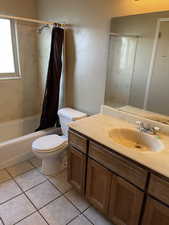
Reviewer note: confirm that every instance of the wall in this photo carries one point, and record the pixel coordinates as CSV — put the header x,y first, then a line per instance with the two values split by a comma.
x,y
132,7
87,42
19,97
86,48
19,8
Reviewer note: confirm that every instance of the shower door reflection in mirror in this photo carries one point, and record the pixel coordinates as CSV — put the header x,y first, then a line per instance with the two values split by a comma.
x,y
120,67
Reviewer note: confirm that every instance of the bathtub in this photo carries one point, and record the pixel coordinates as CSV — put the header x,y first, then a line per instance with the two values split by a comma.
x,y
16,139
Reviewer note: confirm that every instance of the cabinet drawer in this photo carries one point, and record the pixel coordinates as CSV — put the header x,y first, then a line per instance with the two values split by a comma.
x,y
78,141
159,188
130,171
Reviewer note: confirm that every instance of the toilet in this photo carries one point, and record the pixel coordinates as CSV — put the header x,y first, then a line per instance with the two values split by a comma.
x,y
51,149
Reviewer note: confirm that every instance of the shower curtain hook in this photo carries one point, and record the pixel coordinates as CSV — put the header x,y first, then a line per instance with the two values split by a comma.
x,y
56,25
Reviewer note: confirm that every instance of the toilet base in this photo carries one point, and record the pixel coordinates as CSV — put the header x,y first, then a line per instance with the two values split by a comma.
x,y
51,166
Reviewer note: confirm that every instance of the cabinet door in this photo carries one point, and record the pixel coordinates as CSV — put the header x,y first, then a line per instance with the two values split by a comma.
x,y
98,186
155,213
76,169
125,202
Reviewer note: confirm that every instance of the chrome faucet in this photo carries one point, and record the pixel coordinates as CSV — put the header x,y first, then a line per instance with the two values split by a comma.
x,y
147,129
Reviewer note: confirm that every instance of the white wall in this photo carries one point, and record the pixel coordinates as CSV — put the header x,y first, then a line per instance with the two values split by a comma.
x,y
19,8
87,42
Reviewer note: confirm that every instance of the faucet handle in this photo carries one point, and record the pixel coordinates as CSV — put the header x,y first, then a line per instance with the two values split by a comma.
x,y
156,129
138,122
140,125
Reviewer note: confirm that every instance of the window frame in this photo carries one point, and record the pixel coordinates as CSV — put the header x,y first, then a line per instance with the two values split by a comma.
x,y
16,57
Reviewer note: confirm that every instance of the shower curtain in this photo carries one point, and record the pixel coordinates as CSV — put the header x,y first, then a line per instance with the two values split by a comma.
x,y
49,116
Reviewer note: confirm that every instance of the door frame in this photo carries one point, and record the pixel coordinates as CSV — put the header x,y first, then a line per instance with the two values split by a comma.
x,y
153,57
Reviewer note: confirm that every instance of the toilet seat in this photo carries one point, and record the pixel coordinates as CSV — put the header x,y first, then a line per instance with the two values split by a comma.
x,y
49,143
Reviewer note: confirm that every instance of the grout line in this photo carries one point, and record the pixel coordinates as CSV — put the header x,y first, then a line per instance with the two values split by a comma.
x,y
81,214
33,164
8,173
57,187
33,186
43,217
74,218
1,220
21,172
73,204
13,177
87,217
50,202
11,198
35,208
24,217
62,194
23,193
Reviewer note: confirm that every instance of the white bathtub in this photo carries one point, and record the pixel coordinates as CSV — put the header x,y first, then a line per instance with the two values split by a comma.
x,y
16,139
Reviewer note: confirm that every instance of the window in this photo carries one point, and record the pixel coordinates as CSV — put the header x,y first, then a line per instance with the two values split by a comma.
x,y
9,67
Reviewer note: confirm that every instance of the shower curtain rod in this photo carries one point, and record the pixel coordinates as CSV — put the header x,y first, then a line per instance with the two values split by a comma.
x,y
30,20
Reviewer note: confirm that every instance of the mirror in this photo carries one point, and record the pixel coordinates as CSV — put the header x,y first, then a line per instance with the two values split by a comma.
x,y
138,65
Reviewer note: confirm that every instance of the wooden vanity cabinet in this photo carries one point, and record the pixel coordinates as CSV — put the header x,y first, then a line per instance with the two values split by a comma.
x,y
118,164
77,161
155,213
112,195
76,169
125,202
124,191
98,186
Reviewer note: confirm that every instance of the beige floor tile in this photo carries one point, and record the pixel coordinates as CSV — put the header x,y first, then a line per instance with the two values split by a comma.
x,y
4,176
20,168
59,212
30,179
77,200
80,220
60,181
42,194
34,219
36,162
8,190
95,217
16,209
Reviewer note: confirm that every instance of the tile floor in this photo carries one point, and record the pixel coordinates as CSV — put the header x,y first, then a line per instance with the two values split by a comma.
x,y
29,198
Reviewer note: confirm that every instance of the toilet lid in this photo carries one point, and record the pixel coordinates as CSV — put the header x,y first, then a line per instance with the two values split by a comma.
x,y
49,143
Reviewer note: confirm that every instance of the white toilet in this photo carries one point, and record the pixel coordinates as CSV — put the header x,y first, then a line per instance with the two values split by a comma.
x,y
52,148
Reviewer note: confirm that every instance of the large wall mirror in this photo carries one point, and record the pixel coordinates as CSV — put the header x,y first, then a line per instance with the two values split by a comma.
x,y
138,65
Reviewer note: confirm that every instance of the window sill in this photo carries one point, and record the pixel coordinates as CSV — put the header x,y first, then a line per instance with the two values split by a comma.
x,y
11,78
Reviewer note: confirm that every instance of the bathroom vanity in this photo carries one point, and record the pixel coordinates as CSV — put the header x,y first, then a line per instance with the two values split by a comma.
x,y
128,186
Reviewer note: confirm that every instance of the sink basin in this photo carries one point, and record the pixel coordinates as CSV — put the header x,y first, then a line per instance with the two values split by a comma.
x,y
134,139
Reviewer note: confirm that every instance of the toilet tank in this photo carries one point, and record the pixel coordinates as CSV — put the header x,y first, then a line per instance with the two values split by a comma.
x,y
68,115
